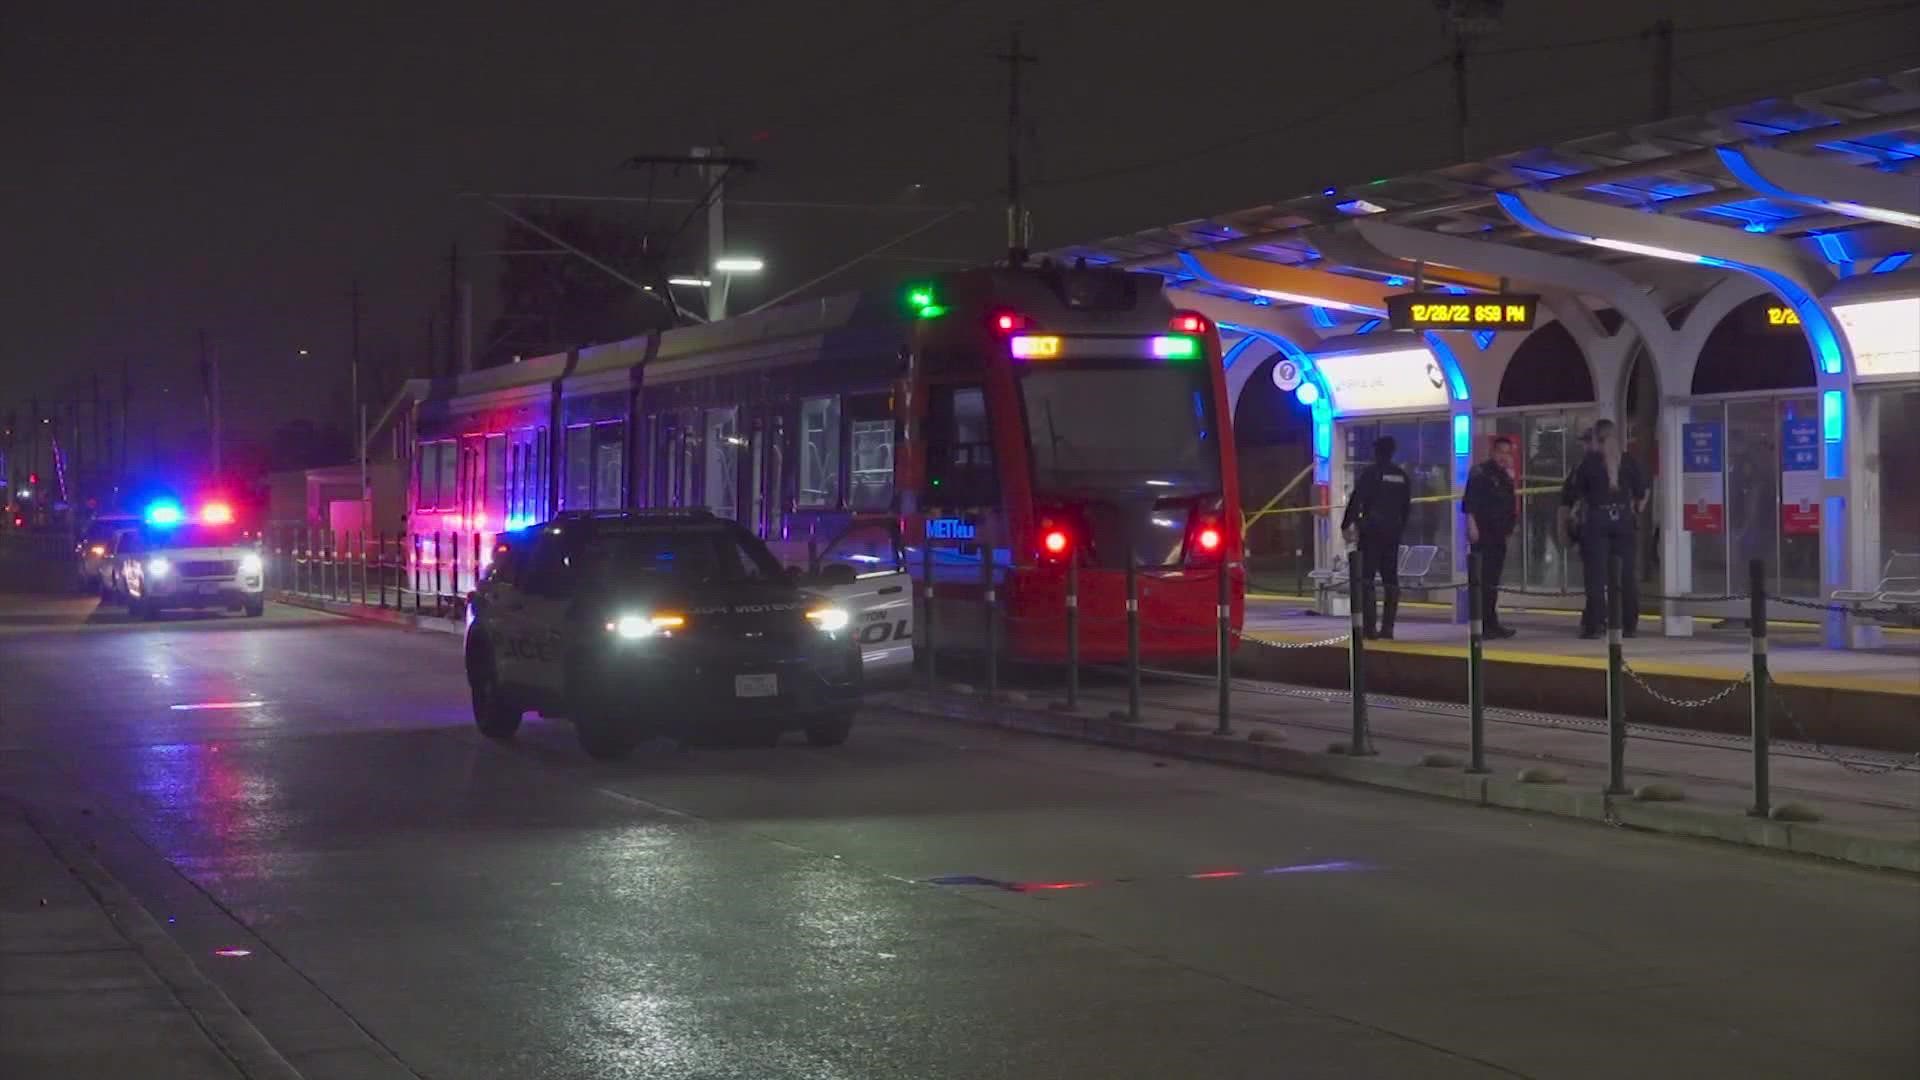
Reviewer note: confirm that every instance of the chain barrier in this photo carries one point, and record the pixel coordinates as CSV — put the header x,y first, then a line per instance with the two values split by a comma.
x,y
1779,701
1686,703
1323,642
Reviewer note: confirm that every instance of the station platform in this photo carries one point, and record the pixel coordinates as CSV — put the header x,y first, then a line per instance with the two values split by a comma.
x,y
1863,698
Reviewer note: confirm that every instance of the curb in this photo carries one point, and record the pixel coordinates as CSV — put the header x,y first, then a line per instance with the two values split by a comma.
x,y
214,1012
433,624
1822,841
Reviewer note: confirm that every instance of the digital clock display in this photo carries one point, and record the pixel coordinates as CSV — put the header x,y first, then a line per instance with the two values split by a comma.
x,y
1780,317
1446,311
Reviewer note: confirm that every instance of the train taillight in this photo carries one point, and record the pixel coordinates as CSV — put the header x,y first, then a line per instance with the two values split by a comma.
x,y
1189,322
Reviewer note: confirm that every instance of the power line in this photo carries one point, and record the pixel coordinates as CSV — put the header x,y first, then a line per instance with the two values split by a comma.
x,y
1189,153
1708,28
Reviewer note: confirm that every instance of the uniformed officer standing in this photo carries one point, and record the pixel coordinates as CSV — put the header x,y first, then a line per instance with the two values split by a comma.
x,y
1376,516
1614,491
1491,515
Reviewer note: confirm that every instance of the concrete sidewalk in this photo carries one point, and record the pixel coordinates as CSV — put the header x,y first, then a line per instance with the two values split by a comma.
x,y
1865,811
91,987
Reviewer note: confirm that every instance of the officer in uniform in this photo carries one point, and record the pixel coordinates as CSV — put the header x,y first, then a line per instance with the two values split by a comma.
x,y
1614,492
1488,504
1376,516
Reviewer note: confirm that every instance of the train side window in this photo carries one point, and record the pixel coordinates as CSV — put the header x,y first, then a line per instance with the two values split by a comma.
x,y
960,467
820,451
869,452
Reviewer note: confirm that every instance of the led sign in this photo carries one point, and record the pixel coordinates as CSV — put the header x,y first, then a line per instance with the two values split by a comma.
x,y
950,529
1782,317
1445,311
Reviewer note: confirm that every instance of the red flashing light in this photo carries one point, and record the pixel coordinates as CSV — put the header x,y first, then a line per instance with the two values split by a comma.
x,y
1055,541
1209,539
1188,322
216,514
1008,322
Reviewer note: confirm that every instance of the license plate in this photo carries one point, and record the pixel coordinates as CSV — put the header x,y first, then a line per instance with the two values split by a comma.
x,y
756,686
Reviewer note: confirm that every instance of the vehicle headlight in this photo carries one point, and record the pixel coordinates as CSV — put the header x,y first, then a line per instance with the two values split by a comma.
x,y
830,618
633,627
158,567
250,564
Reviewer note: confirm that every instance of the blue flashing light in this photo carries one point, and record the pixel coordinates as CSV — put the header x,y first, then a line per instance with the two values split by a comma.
x,y
1462,435
1457,290
515,524
1396,280
164,512
1368,327
1456,379
1756,226
1307,393
1323,430
1483,338
1321,318
1328,192
1893,262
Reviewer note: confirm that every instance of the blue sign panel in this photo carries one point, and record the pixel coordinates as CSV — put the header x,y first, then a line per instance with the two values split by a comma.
x,y
1799,444
1702,441
949,529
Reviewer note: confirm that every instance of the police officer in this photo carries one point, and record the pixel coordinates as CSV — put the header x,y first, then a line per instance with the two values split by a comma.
x,y
1376,516
1491,515
1573,516
1614,492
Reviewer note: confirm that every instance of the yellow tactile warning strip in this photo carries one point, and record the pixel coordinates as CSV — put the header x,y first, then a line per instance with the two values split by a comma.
x,y
1570,613
1820,680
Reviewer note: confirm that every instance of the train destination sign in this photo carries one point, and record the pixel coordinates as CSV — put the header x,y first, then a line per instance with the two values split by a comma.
x,y
1447,311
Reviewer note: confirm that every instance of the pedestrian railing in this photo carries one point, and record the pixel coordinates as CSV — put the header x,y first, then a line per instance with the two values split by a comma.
x,y
428,573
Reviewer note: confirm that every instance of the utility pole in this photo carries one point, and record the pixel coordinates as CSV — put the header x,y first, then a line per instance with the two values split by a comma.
x,y
1662,34
716,178
353,353
1019,224
126,411
453,309
210,385
1467,20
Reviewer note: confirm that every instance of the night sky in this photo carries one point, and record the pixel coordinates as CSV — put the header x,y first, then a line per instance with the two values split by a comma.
x,y
234,166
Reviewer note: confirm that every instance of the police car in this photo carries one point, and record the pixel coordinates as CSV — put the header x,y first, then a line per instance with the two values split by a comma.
x,y
643,623
175,562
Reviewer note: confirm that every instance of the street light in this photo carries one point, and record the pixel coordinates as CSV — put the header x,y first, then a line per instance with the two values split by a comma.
x,y
691,282
739,264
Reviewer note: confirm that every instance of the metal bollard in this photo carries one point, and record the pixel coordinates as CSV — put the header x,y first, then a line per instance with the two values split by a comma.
x,y
380,557
439,589
418,579
1224,672
1476,673
1133,638
926,591
363,568
1358,586
990,609
1073,630
1757,691
1616,705
476,558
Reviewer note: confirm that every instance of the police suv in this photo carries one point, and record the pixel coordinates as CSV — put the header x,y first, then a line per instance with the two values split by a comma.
x,y
165,565
641,623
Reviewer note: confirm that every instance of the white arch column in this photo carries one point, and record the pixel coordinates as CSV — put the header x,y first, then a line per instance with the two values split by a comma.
x,y
1797,280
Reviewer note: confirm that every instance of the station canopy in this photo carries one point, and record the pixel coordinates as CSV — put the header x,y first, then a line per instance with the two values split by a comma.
x,y
1828,179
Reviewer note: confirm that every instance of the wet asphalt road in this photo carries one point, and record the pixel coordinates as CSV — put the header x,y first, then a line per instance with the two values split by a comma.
x,y
418,901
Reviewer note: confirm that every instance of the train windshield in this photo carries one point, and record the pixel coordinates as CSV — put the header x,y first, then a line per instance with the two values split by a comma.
x,y
1102,428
